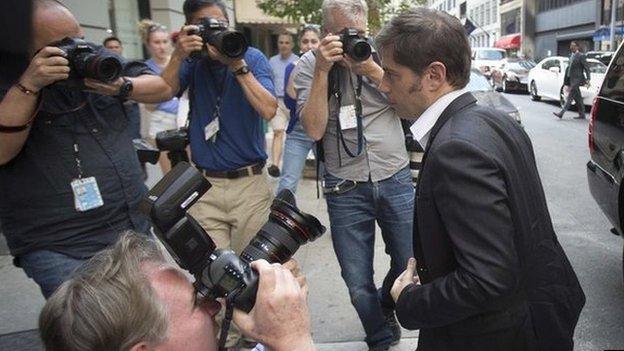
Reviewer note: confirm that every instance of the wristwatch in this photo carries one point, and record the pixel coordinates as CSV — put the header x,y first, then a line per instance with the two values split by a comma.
x,y
243,70
125,89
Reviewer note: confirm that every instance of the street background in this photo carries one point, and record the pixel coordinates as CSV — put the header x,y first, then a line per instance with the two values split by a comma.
x,y
561,151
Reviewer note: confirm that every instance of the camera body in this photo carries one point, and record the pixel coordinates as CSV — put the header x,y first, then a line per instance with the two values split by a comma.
x,y
86,62
355,45
216,33
222,273
174,142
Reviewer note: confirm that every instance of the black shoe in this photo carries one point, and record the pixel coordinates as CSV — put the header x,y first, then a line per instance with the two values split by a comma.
x,y
560,115
274,171
579,117
392,322
379,348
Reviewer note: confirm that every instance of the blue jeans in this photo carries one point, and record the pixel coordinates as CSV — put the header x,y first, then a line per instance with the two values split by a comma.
x,y
296,149
352,217
49,269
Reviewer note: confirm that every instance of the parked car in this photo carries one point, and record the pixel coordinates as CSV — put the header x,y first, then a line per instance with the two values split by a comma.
x,y
512,75
602,56
546,80
605,169
485,59
487,96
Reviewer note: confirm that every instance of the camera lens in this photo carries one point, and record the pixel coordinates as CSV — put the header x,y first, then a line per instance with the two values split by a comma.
x,y
231,44
287,229
360,50
105,68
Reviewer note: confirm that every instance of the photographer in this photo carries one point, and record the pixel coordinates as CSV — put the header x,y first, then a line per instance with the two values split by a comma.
x,y
130,298
70,180
367,179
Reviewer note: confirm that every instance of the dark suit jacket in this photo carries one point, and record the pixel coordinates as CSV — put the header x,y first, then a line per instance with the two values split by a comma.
x,y
578,72
493,274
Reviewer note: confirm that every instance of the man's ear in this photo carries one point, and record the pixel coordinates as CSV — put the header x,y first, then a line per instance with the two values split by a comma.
x,y
142,346
436,74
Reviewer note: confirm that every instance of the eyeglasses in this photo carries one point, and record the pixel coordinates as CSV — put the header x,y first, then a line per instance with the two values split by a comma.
x,y
157,27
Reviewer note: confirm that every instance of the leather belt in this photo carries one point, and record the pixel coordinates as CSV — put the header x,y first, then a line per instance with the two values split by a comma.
x,y
248,171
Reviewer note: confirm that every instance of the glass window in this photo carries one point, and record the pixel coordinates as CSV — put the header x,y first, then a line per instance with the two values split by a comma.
x,y
490,55
488,18
613,86
124,16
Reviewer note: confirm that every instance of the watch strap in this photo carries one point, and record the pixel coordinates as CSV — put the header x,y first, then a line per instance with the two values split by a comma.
x,y
243,70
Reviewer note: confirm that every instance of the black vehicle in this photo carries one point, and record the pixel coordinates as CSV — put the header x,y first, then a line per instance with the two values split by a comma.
x,y
605,169
602,56
485,94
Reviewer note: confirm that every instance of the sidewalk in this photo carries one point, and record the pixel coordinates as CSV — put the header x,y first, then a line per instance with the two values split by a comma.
x,y
335,324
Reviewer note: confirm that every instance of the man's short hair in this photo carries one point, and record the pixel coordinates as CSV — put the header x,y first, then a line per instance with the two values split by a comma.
x,y
192,6
285,33
112,38
108,305
355,10
421,36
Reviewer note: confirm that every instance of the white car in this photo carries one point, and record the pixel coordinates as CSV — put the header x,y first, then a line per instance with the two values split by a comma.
x,y
486,59
546,80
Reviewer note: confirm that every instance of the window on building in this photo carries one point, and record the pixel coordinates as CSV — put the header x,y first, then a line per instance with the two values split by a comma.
x,y
494,11
547,5
510,22
124,16
488,18
606,12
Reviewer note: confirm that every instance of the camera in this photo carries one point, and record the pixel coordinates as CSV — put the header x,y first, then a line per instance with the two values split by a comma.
x,y
355,45
222,273
86,62
145,151
216,33
174,141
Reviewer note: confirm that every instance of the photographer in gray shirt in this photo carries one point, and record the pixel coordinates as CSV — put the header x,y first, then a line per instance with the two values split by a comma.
x,y
367,178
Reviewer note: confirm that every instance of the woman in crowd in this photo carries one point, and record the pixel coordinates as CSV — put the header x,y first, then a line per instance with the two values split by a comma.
x,y
161,116
298,143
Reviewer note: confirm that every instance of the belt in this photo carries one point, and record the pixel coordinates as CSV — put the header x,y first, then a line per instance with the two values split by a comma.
x,y
248,171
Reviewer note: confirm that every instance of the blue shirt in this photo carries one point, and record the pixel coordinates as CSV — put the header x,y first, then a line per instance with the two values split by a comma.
x,y
278,65
240,140
169,106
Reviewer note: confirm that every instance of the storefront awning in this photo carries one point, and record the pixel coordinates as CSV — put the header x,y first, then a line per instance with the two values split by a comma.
x,y
248,12
511,41
604,33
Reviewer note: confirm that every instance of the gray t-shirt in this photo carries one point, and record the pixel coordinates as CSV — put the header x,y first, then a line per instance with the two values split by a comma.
x,y
384,153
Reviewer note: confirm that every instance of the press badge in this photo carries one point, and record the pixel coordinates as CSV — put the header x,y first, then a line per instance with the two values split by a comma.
x,y
348,119
211,130
86,194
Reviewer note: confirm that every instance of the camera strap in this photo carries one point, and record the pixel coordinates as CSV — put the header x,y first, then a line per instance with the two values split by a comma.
x,y
358,114
227,320
221,87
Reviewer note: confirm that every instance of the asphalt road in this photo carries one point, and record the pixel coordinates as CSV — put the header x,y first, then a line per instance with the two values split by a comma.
x,y
596,254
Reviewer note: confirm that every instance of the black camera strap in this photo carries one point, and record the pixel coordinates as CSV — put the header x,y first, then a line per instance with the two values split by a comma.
x,y
227,320
221,86
358,114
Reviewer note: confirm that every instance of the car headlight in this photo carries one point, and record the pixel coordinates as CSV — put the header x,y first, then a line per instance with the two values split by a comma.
x,y
516,116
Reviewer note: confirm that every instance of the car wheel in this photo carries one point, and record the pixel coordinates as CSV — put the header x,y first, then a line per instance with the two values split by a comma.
x,y
562,98
533,91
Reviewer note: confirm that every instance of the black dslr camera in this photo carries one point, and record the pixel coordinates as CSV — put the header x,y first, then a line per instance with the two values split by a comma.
x,y
86,62
216,33
174,141
221,273
355,45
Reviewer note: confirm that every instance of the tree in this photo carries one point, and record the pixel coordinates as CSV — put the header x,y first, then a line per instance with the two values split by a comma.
x,y
309,11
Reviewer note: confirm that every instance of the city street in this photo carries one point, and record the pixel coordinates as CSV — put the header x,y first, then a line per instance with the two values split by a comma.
x,y
562,152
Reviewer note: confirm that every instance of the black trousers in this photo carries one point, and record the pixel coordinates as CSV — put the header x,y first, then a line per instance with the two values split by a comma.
x,y
575,94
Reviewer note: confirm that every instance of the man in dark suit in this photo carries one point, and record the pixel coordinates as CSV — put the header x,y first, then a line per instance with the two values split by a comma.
x,y
577,74
489,272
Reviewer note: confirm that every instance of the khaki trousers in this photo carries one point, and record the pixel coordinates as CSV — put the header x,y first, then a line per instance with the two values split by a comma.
x,y
232,212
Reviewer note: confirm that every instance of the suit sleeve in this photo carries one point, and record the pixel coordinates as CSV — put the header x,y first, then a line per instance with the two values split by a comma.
x,y
470,195
586,70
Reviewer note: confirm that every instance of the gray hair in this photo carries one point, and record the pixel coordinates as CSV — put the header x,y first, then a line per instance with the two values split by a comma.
x,y
108,305
355,10
422,36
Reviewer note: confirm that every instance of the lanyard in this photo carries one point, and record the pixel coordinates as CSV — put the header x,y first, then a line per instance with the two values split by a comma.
x,y
76,147
221,87
358,114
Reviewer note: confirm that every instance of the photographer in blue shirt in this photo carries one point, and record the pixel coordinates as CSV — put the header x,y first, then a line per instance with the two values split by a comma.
x,y
229,98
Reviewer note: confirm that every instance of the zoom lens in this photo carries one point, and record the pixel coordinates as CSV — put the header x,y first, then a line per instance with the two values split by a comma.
x,y
105,68
231,44
359,50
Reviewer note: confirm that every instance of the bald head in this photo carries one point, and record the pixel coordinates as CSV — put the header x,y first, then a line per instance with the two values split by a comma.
x,y
52,21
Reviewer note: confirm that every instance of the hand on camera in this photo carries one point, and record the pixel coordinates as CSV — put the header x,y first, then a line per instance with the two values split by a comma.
x,y
364,68
98,87
280,317
329,52
188,43
408,277
47,67
232,63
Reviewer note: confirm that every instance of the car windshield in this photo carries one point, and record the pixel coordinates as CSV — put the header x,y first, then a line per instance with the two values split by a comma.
x,y
489,55
520,65
478,82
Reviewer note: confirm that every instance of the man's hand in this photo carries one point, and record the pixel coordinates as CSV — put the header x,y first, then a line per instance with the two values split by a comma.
x,y
329,52
47,67
232,63
98,87
368,68
294,268
188,43
280,317
408,277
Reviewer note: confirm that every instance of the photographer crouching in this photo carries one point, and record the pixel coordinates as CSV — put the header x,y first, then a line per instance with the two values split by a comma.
x,y
70,180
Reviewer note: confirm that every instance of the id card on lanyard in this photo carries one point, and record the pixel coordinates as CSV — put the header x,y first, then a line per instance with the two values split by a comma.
x,y
211,130
86,191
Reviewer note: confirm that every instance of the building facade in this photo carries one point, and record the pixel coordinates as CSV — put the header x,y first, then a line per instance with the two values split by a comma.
x,y
602,36
485,16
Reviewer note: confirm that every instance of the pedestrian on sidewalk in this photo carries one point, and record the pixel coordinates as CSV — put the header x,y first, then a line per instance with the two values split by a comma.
x,y
279,123
577,74
298,143
489,272
367,179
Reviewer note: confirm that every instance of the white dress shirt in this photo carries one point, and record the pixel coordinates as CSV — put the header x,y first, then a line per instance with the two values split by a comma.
x,y
421,129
